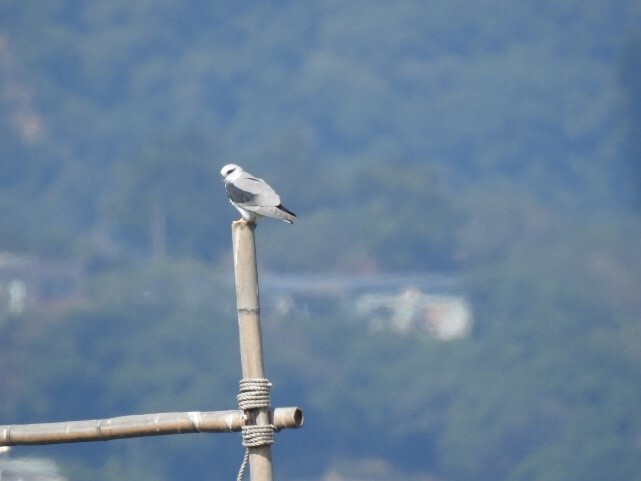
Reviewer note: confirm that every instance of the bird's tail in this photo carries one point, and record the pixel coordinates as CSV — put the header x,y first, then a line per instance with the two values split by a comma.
x,y
281,212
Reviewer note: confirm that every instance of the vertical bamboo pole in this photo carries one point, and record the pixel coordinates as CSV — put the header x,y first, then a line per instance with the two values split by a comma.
x,y
251,350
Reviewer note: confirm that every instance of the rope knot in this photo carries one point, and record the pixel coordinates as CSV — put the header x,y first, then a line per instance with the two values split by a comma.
x,y
254,394
254,436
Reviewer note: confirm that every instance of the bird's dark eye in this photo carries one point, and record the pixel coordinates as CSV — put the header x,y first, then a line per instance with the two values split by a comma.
x,y
230,171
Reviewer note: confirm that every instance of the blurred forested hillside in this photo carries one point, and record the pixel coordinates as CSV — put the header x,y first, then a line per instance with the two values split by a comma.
x,y
496,140
107,106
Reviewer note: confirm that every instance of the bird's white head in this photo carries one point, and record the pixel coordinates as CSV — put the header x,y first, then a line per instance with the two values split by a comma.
x,y
230,172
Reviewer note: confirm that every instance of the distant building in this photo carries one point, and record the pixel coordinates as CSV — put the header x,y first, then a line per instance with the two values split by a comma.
x,y
29,469
398,303
446,317
30,283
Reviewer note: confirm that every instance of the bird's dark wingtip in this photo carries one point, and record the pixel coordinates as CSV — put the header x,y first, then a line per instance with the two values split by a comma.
x,y
285,209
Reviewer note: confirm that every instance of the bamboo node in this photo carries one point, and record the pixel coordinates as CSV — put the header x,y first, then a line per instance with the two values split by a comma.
x,y
196,420
255,310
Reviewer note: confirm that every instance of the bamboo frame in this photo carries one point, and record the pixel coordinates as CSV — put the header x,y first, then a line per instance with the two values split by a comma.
x,y
157,424
251,356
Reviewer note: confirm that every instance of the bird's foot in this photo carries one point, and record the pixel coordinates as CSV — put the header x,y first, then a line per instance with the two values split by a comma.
x,y
245,221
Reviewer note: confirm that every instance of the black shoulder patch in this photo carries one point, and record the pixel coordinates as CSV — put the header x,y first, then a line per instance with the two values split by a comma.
x,y
239,196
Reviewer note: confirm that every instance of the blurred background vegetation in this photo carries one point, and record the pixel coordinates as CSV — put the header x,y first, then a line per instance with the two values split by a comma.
x,y
497,142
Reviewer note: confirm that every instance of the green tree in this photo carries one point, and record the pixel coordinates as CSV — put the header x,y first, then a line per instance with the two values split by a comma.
x,y
162,201
631,79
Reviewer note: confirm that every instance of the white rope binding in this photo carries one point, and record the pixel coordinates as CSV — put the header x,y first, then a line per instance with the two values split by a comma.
x,y
254,394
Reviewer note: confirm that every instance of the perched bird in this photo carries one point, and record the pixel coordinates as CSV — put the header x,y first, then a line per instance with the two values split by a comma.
x,y
252,196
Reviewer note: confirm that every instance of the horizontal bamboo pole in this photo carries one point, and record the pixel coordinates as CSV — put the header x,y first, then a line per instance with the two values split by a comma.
x,y
139,425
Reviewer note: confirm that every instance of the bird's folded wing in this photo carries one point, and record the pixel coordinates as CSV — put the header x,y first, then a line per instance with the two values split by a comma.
x,y
252,191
